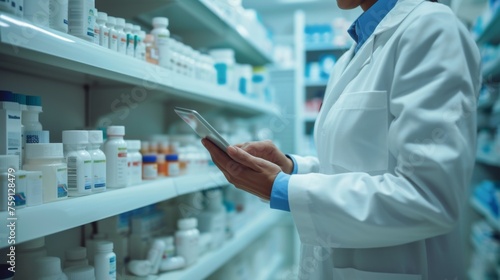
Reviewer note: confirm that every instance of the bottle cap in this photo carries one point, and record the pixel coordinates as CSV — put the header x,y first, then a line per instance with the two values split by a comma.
x,y
188,223
136,28
76,253
75,137
45,151
32,244
160,21
32,100
102,16
172,157
120,22
111,21
223,55
149,159
7,96
169,240
134,145
21,98
95,136
142,34
129,26
117,130
104,246
47,266
9,161
85,272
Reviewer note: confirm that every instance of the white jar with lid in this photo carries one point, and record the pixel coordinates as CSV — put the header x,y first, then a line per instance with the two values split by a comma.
x,y
82,17
115,150
85,272
98,160
187,240
162,35
105,261
26,252
49,159
134,159
130,39
48,268
79,162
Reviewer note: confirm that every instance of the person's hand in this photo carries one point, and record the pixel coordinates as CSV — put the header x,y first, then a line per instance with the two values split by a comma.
x,y
268,151
249,173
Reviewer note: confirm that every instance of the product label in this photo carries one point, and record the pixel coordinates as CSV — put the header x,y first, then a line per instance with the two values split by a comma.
x,y
72,163
20,199
62,182
34,190
105,38
99,172
150,171
112,268
173,169
87,168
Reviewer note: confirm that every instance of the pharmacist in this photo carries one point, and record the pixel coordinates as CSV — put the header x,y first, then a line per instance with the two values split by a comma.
x,y
395,140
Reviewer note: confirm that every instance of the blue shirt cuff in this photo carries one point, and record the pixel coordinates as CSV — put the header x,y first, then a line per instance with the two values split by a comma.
x,y
295,167
279,193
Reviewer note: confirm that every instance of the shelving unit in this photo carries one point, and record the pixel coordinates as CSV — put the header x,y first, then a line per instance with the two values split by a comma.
x,y
85,79
211,261
202,24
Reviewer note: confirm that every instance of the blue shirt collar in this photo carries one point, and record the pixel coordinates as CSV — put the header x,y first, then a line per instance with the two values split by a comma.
x,y
366,23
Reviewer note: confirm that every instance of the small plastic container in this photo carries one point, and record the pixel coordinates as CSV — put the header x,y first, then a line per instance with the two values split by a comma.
x,y
85,272
115,150
224,64
134,159
79,162
187,240
58,15
130,39
122,36
152,54
82,19
162,35
49,159
48,268
76,256
102,29
149,167
173,167
37,12
105,261
26,252
98,160
113,34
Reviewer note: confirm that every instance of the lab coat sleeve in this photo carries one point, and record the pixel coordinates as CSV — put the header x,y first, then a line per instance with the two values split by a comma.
x,y
304,165
431,137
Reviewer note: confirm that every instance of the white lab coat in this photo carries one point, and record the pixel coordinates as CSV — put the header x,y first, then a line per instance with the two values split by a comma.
x,y
395,140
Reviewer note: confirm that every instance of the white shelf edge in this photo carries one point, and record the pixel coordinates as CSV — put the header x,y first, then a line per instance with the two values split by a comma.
x,y
61,215
486,213
211,261
324,47
67,52
320,83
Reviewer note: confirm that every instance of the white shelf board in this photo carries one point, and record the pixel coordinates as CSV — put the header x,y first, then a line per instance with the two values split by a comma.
x,y
495,223
213,260
64,52
200,23
49,218
324,48
320,83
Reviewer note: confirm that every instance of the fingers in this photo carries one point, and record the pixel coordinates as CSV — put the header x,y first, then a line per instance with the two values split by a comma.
x,y
246,159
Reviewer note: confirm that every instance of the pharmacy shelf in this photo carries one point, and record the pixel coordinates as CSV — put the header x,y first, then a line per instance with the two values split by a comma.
x,y
495,223
491,34
324,48
270,272
491,70
49,53
320,83
76,211
212,261
487,160
201,23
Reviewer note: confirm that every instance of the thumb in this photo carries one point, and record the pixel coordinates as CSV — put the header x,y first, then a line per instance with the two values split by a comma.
x,y
241,156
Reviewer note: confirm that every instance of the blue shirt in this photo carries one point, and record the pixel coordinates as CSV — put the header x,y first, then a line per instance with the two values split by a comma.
x,y
360,31
366,23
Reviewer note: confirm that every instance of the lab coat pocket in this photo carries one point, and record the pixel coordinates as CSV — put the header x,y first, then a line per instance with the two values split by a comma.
x,y
351,273
357,125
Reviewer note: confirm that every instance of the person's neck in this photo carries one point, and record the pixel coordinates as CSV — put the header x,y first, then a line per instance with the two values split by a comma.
x,y
367,4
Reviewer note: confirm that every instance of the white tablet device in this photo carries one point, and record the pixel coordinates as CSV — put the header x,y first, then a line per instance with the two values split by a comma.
x,y
202,127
